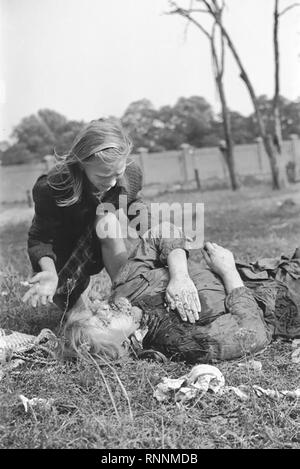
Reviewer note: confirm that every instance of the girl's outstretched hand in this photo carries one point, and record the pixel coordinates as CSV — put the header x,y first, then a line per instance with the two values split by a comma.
x,y
181,294
42,288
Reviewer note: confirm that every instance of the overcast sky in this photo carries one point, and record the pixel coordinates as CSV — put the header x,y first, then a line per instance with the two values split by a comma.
x,y
91,58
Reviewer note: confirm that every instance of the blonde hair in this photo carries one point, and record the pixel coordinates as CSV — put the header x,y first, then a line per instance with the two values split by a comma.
x,y
84,333
104,138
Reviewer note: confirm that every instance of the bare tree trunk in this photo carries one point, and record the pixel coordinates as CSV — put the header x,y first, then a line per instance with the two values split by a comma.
x,y
229,154
218,64
269,147
267,139
272,143
281,157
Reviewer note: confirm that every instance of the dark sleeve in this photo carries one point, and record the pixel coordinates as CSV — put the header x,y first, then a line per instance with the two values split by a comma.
x,y
166,238
157,243
137,209
134,181
242,328
166,245
45,223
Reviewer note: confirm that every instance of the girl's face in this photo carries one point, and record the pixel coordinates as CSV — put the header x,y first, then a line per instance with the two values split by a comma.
x,y
103,178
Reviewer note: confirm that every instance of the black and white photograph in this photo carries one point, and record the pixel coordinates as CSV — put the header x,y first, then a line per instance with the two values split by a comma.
x,y
149,227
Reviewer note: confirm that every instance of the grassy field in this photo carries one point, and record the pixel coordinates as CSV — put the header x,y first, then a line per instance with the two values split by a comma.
x,y
102,407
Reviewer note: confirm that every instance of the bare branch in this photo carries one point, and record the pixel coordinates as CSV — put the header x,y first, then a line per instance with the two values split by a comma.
x,y
197,10
213,51
188,22
222,52
216,5
213,31
222,40
190,10
185,14
218,64
285,10
218,67
276,53
217,10
208,6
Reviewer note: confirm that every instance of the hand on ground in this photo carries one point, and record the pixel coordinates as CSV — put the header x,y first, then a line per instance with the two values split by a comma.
x,y
42,288
181,294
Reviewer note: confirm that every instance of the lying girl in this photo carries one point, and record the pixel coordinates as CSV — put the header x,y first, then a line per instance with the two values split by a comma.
x,y
243,307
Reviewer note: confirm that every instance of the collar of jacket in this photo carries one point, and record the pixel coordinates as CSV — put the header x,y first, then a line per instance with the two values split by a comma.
x,y
123,183
120,188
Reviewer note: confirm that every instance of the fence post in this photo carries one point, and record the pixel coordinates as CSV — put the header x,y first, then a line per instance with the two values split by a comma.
x,y
195,169
197,178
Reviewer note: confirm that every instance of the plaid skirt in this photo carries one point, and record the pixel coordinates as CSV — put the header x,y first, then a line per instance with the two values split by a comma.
x,y
74,276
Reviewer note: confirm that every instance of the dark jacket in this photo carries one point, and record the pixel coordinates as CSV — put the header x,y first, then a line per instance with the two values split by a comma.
x,y
55,230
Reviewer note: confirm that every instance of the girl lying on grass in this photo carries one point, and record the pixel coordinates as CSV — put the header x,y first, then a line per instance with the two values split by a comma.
x,y
243,306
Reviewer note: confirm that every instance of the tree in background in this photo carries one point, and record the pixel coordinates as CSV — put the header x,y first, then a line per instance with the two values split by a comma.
x,y
167,136
64,131
188,121
191,120
277,126
218,61
39,135
215,9
290,117
140,121
67,135
34,134
16,154
241,128
53,120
